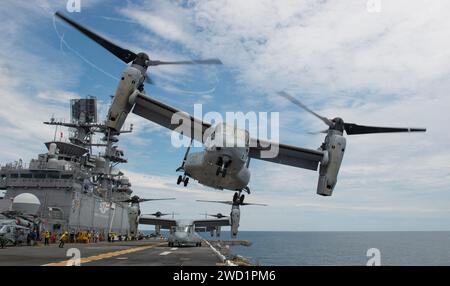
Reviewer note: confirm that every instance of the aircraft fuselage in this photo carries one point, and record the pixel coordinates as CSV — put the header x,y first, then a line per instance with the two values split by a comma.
x,y
205,167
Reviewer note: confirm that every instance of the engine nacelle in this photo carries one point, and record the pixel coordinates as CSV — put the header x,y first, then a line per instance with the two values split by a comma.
x,y
329,168
123,99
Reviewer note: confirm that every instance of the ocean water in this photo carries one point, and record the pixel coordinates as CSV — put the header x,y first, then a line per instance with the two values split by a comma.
x,y
344,248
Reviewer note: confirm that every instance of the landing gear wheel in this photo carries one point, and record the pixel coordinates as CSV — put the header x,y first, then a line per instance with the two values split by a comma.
x,y
221,170
235,197
186,181
179,180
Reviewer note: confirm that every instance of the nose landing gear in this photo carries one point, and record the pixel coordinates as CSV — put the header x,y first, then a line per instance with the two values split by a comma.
x,y
221,170
222,163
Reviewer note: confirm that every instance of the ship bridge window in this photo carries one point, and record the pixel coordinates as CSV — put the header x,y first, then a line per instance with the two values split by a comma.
x,y
66,176
55,213
26,176
39,176
53,176
14,176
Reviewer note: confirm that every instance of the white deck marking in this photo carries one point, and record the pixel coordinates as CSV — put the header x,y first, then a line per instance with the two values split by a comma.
x,y
165,253
174,248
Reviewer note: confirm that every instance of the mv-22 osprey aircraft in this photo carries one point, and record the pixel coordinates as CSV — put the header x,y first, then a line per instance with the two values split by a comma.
x,y
235,214
223,167
134,212
183,233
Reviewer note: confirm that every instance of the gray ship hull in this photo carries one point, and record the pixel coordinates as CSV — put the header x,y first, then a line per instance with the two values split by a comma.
x,y
63,210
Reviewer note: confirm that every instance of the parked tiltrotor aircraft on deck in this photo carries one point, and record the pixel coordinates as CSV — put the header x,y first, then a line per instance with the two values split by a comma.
x,y
135,210
235,214
185,233
222,167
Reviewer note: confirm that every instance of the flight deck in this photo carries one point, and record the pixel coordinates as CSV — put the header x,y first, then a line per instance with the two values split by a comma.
x,y
124,253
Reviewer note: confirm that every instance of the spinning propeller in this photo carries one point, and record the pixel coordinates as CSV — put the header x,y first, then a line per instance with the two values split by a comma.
x,y
160,214
136,200
128,56
231,203
218,215
350,128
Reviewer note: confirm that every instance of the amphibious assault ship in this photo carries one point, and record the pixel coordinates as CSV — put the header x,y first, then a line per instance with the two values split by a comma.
x,y
76,190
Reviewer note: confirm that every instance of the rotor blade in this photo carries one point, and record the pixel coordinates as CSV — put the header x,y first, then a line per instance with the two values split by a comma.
x,y
219,202
318,132
219,216
125,55
301,105
124,201
355,129
251,204
146,200
157,214
192,62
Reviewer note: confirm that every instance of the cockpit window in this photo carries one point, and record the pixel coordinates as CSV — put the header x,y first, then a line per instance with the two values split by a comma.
x,y
182,229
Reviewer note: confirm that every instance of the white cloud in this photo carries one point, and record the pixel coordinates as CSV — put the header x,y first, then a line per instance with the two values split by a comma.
x,y
325,46
32,89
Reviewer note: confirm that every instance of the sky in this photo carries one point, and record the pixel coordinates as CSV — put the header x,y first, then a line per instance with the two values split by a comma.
x,y
386,66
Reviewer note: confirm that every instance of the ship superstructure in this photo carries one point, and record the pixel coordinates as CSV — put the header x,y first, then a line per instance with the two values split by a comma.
x,y
78,190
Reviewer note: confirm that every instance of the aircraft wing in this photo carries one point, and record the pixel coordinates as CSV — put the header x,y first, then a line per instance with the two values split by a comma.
x,y
210,224
161,114
287,154
164,223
